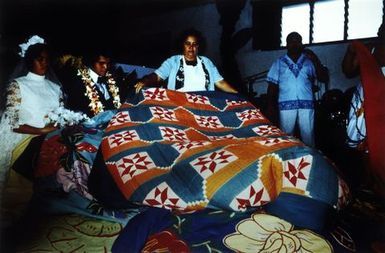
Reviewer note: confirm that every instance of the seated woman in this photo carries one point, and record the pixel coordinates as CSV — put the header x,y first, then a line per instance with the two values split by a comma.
x,y
30,96
189,71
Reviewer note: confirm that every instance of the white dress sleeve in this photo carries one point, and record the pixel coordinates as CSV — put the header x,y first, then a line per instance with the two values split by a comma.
x,y
9,139
13,104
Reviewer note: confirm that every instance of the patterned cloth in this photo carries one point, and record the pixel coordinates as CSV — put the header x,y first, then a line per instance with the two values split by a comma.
x,y
158,230
182,151
356,129
64,164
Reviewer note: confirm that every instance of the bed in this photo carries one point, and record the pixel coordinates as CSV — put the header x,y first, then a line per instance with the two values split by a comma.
x,y
191,172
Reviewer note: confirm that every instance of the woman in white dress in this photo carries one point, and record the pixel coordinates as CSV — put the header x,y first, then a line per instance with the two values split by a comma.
x,y
29,99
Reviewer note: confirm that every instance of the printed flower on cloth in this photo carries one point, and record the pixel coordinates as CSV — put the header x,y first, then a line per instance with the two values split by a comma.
x,y
266,233
165,241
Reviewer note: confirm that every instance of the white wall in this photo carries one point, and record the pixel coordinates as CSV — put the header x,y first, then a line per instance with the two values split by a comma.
x,y
206,19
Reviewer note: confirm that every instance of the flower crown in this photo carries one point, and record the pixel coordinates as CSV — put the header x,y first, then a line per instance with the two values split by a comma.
x,y
31,41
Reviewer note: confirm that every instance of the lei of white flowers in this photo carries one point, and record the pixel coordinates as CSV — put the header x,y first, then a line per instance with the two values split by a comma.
x,y
61,117
95,104
31,41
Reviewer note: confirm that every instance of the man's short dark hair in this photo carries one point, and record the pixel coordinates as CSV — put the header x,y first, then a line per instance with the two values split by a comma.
x,y
292,35
93,56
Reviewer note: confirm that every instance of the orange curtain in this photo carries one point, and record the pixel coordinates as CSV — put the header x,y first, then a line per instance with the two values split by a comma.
x,y
373,82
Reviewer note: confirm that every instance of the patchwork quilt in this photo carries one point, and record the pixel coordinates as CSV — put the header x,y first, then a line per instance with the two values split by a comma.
x,y
205,150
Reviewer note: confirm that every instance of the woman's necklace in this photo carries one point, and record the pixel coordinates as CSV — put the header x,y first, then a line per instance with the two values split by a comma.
x,y
95,105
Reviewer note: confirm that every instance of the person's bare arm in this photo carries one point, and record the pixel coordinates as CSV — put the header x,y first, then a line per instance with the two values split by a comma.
x,y
225,86
350,65
151,79
26,129
321,71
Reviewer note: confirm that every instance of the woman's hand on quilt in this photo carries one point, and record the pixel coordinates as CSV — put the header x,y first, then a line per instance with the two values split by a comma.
x,y
148,80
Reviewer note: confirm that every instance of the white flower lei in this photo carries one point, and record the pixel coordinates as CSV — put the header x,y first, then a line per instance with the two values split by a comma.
x,y
95,104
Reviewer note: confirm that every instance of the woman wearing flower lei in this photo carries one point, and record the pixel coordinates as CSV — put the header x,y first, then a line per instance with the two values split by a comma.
x,y
93,90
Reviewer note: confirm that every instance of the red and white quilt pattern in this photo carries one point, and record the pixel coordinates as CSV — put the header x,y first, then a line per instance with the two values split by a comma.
x,y
267,130
211,163
119,119
182,147
163,196
163,113
133,165
273,141
122,137
233,102
157,94
253,195
173,134
225,137
208,121
197,99
249,115
296,172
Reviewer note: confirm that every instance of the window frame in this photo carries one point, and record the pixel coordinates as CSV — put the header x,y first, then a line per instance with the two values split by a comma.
x,y
286,3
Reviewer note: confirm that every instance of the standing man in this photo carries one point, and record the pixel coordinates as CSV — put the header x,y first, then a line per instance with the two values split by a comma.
x,y
92,89
291,79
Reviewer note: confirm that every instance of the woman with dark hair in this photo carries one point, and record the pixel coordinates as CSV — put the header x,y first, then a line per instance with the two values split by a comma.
x,y
188,71
30,97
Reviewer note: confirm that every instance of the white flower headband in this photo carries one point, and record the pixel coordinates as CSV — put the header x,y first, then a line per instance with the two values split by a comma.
x,y
32,41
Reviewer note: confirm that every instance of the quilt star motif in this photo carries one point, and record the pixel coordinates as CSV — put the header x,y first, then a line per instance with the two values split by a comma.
x,y
249,115
296,172
208,121
197,99
173,134
267,130
253,195
211,163
133,165
184,146
163,196
157,94
272,141
122,137
163,113
119,119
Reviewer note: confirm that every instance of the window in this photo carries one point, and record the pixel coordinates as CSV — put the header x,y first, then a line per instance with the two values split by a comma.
x,y
299,16
326,20
364,24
